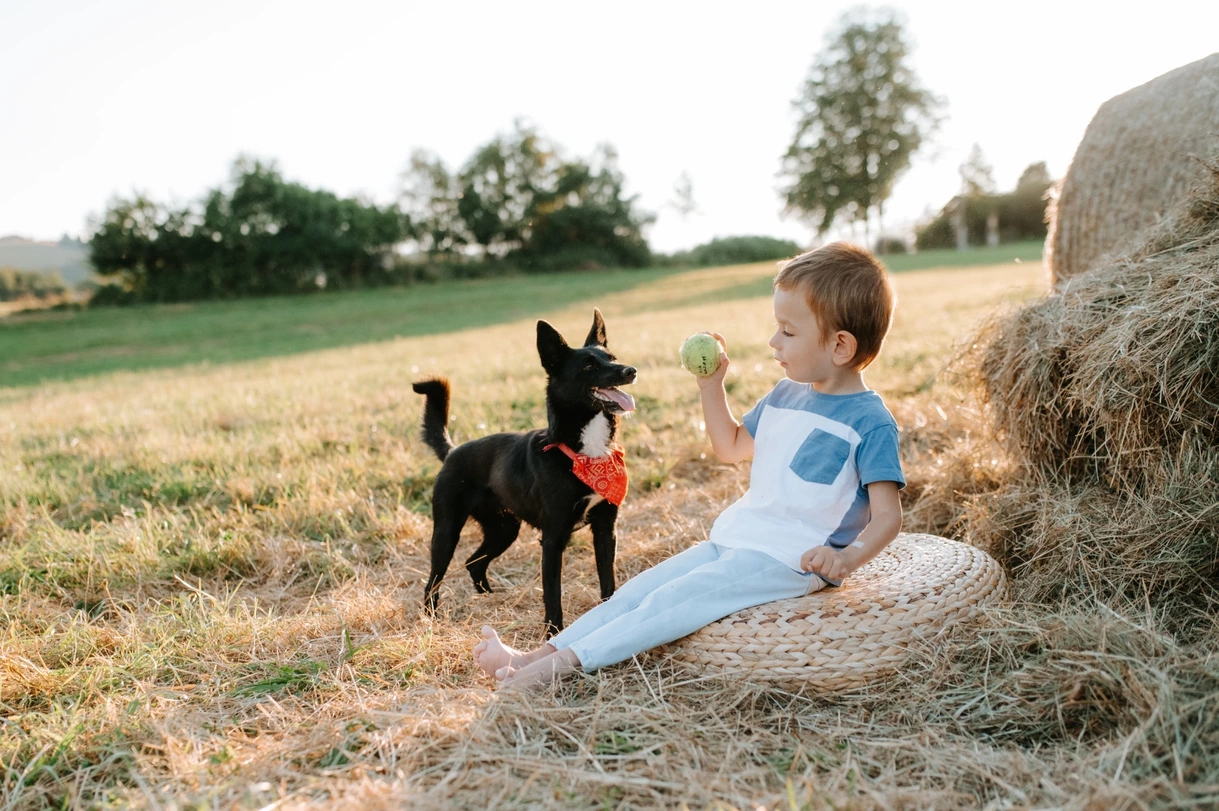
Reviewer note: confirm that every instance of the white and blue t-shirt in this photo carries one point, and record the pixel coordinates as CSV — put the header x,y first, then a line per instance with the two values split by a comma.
x,y
814,456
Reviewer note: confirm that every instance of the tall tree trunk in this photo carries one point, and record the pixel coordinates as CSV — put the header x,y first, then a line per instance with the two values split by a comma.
x,y
880,227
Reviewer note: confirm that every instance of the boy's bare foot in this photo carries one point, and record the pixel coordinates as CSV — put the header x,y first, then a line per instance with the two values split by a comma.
x,y
492,654
545,671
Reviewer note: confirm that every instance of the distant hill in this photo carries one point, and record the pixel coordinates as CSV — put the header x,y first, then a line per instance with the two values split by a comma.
x,y
69,257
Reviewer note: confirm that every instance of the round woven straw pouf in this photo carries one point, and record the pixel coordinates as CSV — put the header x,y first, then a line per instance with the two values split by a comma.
x,y
844,637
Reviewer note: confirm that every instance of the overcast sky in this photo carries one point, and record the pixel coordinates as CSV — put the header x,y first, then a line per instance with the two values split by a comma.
x,y
104,98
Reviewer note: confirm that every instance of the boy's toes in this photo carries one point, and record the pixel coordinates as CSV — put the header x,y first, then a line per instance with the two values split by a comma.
x,y
504,673
489,633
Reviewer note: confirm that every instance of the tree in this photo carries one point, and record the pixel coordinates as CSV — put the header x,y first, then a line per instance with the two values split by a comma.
x,y
257,235
977,176
520,199
1035,177
430,199
18,284
683,194
583,217
862,116
1021,213
124,243
499,186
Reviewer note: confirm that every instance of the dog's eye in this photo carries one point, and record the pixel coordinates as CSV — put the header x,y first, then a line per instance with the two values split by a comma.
x,y
588,367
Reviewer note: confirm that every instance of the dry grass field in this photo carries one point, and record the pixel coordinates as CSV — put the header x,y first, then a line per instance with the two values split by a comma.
x,y
210,581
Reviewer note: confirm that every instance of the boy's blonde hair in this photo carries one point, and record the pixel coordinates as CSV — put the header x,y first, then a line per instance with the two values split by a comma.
x,y
846,288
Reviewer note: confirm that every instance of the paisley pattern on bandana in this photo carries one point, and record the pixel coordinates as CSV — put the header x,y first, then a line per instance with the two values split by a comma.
x,y
606,475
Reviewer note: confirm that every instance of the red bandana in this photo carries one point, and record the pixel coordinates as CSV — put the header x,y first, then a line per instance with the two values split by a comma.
x,y
606,475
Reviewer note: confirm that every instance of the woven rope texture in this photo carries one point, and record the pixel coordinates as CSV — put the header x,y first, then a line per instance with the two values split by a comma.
x,y
845,637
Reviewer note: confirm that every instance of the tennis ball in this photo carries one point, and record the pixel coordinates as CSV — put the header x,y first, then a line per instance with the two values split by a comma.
x,y
700,354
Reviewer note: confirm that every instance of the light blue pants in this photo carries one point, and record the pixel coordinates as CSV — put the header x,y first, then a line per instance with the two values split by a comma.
x,y
678,596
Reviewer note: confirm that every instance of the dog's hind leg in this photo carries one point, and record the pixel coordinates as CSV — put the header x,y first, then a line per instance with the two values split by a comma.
x,y
450,509
445,535
500,529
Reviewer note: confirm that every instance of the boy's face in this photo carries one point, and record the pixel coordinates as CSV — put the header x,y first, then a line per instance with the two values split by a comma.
x,y
797,340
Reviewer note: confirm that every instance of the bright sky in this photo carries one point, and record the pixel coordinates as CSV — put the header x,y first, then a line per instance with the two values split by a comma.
x,y
99,99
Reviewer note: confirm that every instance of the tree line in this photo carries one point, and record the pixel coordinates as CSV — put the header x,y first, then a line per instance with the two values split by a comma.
x,y
258,235
519,199
16,285
520,202
516,202
981,214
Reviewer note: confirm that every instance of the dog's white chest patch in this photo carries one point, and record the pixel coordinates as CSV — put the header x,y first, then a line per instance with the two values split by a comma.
x,y
594,439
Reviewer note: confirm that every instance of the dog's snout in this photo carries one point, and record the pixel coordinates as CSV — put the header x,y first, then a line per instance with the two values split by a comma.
x,y
632,373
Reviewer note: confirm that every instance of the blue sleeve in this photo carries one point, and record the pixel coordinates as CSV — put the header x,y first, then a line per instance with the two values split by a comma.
x,y
750,420
877,457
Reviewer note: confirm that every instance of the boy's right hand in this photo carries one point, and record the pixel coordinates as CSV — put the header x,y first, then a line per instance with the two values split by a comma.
x,y
825,561
716,378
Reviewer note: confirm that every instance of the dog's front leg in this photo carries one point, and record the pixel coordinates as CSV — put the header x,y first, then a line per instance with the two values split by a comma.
x,y
553,544
601,519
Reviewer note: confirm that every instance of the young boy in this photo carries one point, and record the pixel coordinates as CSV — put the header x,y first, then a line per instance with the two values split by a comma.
x,y
823,486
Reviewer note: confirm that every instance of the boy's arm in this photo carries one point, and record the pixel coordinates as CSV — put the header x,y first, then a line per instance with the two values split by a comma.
x,y
730,440
886,506
886,503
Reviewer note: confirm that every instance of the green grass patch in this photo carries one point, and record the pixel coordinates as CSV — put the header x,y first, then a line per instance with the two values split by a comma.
x,y
972,257
276,679
68,345
63,346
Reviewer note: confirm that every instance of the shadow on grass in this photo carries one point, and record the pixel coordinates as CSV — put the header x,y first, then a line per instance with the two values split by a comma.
x,y
63,346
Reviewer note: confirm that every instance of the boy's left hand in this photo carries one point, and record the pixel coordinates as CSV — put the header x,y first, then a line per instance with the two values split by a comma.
x,y
825,561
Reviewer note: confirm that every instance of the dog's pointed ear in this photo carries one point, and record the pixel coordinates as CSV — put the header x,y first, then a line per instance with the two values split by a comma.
x,y
596,335
551,346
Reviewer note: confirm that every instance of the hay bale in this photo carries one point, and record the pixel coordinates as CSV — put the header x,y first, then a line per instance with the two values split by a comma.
x,y
1136,161
1105,396
1119,364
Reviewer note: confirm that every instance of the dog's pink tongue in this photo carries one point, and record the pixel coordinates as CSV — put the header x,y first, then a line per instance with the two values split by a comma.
x,y
624,400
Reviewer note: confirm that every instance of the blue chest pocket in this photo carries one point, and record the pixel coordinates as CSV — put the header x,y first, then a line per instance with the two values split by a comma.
x,y
821,458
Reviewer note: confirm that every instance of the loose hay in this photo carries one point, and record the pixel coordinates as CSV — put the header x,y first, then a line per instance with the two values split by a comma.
x,y
1106,399
1135,162
1119,363
128,681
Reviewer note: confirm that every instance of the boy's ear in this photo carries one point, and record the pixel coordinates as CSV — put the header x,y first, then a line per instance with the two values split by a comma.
x,y
845,347
552,349
596,335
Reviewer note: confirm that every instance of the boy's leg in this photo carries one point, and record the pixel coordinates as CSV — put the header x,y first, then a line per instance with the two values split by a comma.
x,y
636,590
491,654
737,579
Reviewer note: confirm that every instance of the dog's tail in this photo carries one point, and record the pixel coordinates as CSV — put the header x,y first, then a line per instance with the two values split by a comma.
x,y
435,414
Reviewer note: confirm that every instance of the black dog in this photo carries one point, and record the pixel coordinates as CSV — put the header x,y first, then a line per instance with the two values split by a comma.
x,y
504,479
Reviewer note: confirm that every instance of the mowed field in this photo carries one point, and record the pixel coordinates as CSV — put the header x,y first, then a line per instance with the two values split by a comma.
x,y
210,575
46,345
